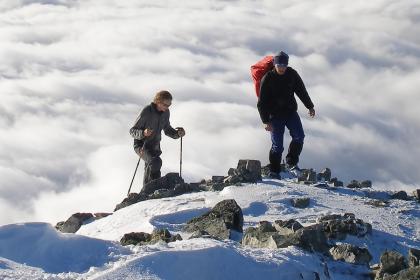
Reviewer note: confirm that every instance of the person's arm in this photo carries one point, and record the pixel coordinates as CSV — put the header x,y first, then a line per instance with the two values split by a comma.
x,y
264,100
137,131
302,93
169,130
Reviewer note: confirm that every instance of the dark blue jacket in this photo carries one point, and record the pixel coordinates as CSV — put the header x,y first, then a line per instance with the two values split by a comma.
x,y
277,97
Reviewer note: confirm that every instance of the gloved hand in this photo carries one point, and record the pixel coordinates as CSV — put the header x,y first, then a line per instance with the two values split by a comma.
x,y
181,131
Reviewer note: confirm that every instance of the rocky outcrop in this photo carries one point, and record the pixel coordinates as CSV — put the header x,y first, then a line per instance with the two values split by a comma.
x,y
338,226
247,171
167,186
391,262
265,235
73,223
301,202
413,257
351,254
220,221
416,194
142,238
412,273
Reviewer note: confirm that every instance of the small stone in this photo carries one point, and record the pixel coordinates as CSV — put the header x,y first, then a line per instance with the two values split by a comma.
x,y
300,202
366,184
351,254
402,195
392,262
354,184
416,194
265,226
413,257
217,179
325,174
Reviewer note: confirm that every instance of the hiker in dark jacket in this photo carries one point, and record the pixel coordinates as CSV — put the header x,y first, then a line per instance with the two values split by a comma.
x,y
278,109
147,134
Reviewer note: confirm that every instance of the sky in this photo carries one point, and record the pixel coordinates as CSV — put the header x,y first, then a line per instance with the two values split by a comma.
x,y
75,74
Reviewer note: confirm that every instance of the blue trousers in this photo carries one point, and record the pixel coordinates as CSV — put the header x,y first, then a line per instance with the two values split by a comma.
x,y
294,125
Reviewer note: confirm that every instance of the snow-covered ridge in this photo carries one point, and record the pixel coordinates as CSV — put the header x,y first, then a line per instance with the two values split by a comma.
x,y
37,251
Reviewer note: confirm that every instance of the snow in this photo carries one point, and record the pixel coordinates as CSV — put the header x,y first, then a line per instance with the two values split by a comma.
x,y
38,251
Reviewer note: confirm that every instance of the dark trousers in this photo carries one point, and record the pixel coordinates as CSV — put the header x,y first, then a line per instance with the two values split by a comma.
x,y
152,164
294,125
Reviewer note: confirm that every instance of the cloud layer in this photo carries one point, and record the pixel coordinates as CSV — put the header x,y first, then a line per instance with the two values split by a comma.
x,y
75,74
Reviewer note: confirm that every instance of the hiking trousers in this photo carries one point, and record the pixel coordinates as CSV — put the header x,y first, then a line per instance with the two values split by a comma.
x,y
152,164
294,125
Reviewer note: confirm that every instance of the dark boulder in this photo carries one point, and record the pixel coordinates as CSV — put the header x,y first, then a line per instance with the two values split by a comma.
x,y
391,262
301,202
132,198
351,254
337,226
169,181
220,221
413,257
402,195
74,223
142,238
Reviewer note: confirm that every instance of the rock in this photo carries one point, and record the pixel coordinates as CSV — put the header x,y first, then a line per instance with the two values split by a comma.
x,y
224,217
338,184
300,202
413,257
169,181
354,184
142,238
402,195
101,215
366,184
217,179
287,227
73,223
256,238
163,235
161,193
134,238
351,254
416,194
391,262
131,199
265,226
337,227
308,175
252,166
412,273
200,234
377,202
325,174
310,238
322,186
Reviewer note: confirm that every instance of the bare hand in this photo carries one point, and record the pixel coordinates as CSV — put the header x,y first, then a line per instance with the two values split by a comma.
x,y
312,112
181,131
268,127
147,132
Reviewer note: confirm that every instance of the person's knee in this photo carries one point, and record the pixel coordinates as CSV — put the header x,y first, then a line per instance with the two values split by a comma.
x,y
155,164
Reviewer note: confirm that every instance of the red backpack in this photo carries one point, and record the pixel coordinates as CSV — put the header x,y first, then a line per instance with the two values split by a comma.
x,y
259,69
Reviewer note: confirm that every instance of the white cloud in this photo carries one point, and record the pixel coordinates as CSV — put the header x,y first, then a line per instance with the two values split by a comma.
x,y
74,75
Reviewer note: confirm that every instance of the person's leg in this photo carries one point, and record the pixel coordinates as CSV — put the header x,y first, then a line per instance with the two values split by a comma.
x,y
276,144
152,165
294,125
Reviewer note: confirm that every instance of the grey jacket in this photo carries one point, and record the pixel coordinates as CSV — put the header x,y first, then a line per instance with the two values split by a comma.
x,y
153,119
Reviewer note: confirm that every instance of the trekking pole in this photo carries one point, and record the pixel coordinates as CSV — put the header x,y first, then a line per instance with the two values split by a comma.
x,y
180,161
135,171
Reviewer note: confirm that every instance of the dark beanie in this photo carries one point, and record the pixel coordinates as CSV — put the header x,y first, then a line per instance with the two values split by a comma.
x,y
281,59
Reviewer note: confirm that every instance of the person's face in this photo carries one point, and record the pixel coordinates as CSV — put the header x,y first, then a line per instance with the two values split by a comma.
x,y
163,105
280,69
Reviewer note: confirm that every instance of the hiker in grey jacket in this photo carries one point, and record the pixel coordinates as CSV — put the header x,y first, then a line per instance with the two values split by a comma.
x,y
147,134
